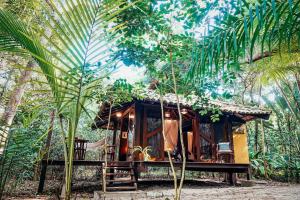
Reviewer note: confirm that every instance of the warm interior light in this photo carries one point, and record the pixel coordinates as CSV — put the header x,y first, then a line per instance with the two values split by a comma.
x,y
184,111
167,114
131,116
119,114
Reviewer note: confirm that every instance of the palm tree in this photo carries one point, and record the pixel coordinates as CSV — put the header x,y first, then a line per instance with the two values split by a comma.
x,y
77,35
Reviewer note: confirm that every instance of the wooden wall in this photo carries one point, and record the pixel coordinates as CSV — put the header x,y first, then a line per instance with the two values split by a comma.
x,y
221,131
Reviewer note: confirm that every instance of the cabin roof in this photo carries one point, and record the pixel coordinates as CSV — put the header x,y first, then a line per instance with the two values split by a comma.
x,y
244,112
224,106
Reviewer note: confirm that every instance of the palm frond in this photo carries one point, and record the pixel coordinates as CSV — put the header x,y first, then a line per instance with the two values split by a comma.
x,y
273,25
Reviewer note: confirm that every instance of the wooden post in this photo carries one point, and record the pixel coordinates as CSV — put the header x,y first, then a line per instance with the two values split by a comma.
x,y
230,178
136,172
230,138
249,173
138,124
197,136
42,177
115,124
144,140
46,155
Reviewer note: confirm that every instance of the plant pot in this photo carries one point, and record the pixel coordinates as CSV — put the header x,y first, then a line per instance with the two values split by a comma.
x,y
138,156
141,156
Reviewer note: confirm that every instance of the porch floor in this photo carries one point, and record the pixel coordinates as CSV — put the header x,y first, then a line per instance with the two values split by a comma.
x,y
197,166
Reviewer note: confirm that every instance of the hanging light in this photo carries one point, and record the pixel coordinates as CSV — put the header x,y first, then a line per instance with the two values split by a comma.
x,y
131,116
184,111
119,114
167,114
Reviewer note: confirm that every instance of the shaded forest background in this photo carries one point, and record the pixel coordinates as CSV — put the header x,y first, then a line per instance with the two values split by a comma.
x,y
222,55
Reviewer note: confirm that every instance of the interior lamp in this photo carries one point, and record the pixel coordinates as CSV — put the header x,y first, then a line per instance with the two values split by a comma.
x,y
167,114
119,114
184,111
131,116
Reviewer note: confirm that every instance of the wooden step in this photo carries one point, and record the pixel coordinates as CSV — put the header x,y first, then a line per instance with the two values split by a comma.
x,y
120,181
119,173
127,179
119,164
120,188
119,167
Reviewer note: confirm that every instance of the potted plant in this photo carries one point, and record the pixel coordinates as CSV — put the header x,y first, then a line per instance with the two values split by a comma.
x,y
141,154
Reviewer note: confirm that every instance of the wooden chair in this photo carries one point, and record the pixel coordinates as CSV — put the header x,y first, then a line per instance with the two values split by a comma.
x,y
224,153
80,149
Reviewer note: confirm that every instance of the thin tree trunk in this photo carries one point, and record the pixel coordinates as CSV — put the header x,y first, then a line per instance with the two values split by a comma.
x,y
6,84
14,102
256,136
47,145
168,152
63,134
297,77
49,136
263,146
292,94
263,137
256,131
287,100
105,152
290,146
180,128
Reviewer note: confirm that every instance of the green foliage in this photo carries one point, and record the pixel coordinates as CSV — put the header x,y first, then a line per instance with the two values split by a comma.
x,y
74,48
79,28
23,147
269,24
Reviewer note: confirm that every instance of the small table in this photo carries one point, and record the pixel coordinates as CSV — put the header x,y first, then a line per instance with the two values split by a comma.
x,y
227,154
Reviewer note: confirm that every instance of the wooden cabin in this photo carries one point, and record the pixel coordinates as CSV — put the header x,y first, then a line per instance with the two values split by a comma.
x,y
219,145
210,145
139,123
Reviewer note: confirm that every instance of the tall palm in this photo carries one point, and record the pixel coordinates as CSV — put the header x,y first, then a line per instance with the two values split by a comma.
x,y
77,35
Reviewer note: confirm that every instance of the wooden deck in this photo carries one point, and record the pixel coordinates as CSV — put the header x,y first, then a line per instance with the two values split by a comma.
x,y
229,168
197,166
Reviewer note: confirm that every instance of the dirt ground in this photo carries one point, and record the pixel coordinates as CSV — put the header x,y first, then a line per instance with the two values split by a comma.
x,y
196,189
236,193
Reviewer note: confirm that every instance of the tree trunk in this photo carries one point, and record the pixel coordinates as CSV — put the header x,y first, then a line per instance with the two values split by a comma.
x,y
297,76
287,101
263,146
180,130
45,152
14,102
168,152
5,86
256,137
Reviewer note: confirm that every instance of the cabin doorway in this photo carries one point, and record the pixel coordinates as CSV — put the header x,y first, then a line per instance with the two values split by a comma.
x,y
152,133
206,141
126,137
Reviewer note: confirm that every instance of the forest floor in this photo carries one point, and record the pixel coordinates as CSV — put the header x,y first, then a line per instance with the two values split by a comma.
x,y
195,189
